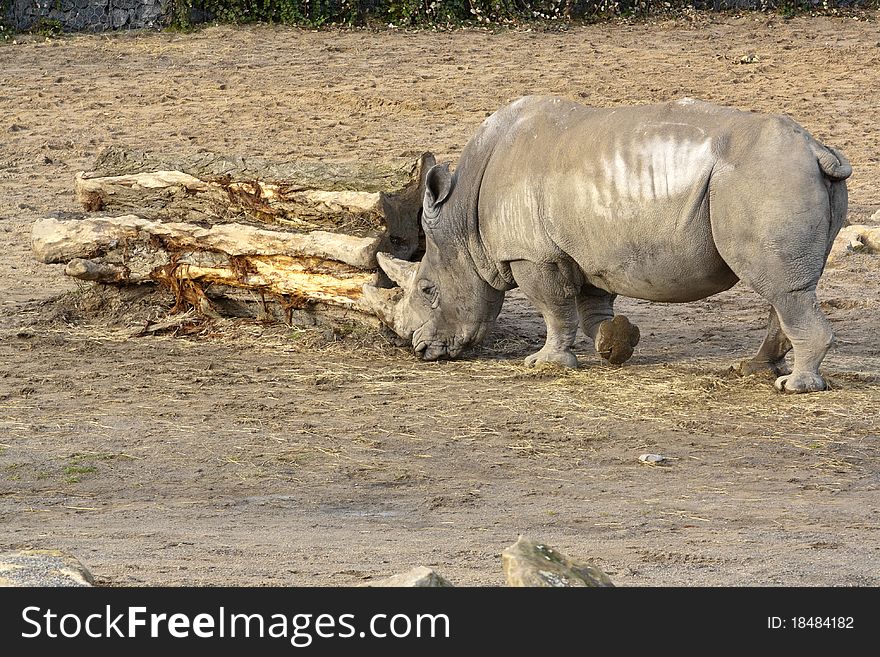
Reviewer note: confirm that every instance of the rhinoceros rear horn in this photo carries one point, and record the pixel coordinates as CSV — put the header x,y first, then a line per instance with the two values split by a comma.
x,y
402,272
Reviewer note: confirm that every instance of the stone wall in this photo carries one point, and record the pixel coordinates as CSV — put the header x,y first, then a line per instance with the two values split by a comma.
x,y
99,15
88,15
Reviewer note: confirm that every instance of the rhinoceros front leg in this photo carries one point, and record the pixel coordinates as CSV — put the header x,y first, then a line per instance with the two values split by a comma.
x,y
615,337
770,359
554,296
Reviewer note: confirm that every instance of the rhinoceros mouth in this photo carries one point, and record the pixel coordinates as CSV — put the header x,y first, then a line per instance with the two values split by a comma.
x,y
436,350
425,347
431,351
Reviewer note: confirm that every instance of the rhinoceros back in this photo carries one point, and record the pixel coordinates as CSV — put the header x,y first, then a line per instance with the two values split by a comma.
x,y
622,193
625,194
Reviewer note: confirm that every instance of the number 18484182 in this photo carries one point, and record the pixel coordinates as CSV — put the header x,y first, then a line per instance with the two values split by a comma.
x,y
811,623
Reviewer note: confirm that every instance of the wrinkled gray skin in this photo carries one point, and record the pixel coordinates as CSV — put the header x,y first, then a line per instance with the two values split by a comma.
x,y
670,203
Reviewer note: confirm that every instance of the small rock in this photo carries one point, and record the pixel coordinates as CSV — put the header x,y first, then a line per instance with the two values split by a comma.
x,y
15,127
751,58
855,243
42,568
857,238
653,458
527,563
417,577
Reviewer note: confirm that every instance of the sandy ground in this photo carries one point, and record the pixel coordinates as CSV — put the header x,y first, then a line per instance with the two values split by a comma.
x,y
258,454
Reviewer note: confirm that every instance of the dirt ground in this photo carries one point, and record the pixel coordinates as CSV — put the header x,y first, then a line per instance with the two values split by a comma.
x,y
257,454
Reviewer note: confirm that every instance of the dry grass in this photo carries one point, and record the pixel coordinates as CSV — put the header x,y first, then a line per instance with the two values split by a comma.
x,y
546,415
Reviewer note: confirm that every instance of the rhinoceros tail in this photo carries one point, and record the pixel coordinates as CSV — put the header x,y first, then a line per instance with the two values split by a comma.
x,y
831,161
837,168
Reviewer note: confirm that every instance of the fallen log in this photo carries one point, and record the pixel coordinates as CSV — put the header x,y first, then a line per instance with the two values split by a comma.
x,y
132,250
303,233
57,240
368,200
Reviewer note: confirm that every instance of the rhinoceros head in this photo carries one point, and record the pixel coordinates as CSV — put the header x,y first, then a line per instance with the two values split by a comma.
x,y
443,305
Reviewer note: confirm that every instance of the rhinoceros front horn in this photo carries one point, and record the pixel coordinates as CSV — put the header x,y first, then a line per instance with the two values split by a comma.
x,y
382,302
402,272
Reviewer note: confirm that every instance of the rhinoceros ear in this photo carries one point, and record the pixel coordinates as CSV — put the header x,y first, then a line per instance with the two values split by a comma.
x,y
438,185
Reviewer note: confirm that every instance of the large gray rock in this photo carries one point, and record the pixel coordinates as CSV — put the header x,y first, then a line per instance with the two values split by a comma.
x,y
417,577
527,563
42,568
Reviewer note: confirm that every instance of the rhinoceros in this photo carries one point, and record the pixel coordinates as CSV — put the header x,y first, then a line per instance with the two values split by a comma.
x,y
575,205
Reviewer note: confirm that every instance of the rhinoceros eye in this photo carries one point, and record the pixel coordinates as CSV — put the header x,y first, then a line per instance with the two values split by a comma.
x,y
429,291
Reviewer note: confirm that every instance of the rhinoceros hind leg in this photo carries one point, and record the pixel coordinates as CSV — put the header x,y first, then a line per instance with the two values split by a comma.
x,y
550,292
616,339
811,336
777,243
769,362
804,329
801,382
762,369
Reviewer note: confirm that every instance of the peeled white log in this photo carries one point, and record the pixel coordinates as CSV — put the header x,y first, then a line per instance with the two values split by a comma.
x,y
326,268
55,240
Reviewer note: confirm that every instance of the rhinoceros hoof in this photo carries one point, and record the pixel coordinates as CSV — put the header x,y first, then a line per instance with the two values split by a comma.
x,y
763,369
554,357
616,339
801,382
